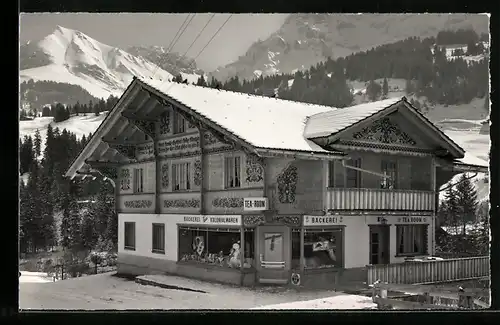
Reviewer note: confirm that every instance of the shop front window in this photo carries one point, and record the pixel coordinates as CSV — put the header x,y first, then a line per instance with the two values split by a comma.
x,y
412,239
218,247
323,248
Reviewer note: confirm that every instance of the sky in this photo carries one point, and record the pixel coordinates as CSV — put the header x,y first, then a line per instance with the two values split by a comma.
x,y
124,30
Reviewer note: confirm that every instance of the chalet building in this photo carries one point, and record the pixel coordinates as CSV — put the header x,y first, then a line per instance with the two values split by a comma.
x,y
245,189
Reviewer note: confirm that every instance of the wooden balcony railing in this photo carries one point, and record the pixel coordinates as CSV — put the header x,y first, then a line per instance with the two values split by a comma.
x,y
379,199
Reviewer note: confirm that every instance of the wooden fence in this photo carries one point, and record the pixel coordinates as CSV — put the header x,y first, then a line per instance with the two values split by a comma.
x,y
430,271
427,298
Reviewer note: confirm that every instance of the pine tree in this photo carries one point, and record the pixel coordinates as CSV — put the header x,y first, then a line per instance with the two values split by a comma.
x,y
466,201
34,207
25,218
90,235
201,81
385,88
95,109
451,207
46,110
37,143
373,90
48,229
178,78
70,232
26,154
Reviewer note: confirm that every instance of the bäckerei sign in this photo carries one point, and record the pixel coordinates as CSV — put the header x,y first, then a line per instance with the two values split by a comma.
x,y
323,220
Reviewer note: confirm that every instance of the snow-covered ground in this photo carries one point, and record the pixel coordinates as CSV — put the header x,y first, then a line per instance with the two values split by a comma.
x,y
34,277
80,125
105,291
458,230
337,302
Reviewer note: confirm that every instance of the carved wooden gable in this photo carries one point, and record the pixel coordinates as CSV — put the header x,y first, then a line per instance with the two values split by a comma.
x,y
384,131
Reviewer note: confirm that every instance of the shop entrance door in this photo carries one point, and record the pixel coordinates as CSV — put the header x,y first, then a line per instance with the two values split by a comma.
x,y
379,244
274,250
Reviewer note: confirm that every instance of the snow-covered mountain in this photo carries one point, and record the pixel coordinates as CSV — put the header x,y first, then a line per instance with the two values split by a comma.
x,y
306,39
72,57
169,61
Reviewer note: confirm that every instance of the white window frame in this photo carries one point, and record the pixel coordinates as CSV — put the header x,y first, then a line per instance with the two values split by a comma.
x,y
231,170
387,182
125,237
160,228
138,180
181,176
406,235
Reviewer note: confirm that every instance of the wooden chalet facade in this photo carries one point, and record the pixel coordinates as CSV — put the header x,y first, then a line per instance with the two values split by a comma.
x,y
245,189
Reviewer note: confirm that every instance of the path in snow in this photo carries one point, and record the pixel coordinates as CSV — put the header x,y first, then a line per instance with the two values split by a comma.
x,y
34,277
105,291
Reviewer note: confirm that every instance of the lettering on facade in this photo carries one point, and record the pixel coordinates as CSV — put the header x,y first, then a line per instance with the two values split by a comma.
x,y
255,204
145,150
412,220
213,220
322,220
185,143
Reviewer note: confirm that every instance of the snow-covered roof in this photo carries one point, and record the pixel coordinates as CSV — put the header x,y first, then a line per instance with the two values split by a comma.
x,y
470,159
263,122
330,122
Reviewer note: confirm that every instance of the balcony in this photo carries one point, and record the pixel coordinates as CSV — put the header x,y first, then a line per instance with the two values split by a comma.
x,y
379,199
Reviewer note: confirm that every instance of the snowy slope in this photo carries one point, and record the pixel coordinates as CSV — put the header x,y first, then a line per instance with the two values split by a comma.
x,y
70,56
80,125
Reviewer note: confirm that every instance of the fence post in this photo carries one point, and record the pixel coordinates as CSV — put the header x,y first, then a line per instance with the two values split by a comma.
x,y
465,300
428,298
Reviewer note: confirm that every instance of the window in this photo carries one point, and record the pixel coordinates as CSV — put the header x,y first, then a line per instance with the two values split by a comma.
x,y
340,176
295,248
353,177
218,247
158,238
138,180
389,168
129,240
181,176
411,239
179,123
323,248
232,172
420,176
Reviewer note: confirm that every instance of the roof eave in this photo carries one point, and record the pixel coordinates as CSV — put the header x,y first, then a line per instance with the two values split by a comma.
x,y
463,167
457,151
96,138
335,135
313,155
167,98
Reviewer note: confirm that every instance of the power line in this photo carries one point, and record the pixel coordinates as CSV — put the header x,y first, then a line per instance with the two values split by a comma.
x,y
201,51
171,42
199,34
174,40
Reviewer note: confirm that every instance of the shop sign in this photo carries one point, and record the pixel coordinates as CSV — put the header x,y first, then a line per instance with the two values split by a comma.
x,y
228,220
255,203
412,220
323,220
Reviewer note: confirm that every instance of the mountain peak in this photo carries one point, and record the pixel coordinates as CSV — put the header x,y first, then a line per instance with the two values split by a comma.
x,y
72,57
